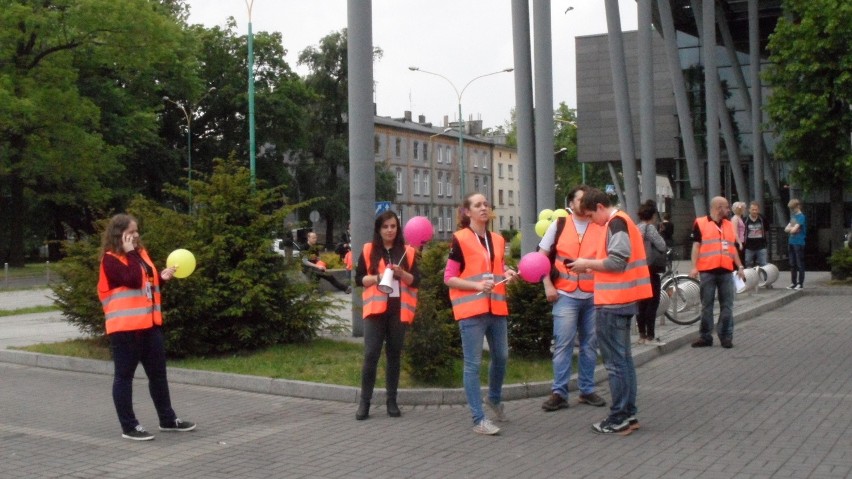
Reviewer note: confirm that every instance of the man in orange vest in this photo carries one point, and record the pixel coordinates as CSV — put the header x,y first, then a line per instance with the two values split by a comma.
x,y
573,303
714,256
621,280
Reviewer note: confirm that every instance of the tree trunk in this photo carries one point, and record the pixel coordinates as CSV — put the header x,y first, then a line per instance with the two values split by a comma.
x,y
835,195
17,208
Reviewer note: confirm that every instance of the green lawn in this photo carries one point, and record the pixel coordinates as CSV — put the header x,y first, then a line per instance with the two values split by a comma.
x,y
323,360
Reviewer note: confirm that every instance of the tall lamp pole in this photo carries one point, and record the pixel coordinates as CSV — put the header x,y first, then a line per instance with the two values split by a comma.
x,y
574,124
249,5
188,116
462,165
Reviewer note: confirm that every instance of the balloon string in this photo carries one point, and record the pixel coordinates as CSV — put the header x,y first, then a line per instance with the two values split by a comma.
x,y
495,284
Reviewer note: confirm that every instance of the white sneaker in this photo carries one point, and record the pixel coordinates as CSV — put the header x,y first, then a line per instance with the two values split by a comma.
x,y
657,342
486,427
792,286
496,410
798,286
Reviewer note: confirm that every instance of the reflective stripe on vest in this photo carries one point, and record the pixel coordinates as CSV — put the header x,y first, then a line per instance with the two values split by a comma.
x,y
631,285
376,302
131,309
712,253
467,303
570,246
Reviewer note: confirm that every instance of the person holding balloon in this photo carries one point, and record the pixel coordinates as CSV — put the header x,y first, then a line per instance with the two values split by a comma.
x,y
129,291
572,296
476,276
387,269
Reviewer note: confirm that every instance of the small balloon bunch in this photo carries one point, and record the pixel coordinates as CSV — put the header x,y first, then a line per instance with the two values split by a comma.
x,y
546,217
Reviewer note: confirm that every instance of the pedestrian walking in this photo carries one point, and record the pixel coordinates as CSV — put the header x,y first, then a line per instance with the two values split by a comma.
x,y
756,235
797,228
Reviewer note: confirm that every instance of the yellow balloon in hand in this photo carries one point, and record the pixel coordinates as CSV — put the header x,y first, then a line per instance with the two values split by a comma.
x,y
183,261
541,227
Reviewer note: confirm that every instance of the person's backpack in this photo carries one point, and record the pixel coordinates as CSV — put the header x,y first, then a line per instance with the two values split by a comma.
x,y
656,259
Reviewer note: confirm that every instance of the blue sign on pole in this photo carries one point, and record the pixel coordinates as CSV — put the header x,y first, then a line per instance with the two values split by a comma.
x,y
382,206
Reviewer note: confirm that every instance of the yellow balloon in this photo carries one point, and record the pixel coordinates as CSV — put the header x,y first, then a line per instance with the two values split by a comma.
x,y
183,261
541,227
546,214
560,213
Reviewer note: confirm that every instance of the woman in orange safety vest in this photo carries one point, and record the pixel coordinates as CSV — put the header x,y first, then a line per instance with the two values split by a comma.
x,y
388,306
476,276
129,291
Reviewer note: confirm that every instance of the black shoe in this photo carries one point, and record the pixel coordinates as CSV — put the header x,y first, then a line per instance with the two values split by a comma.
x,y
393,409
727,343
554,403
592,399
178,426
700,343
610,426
348,290
138,434
363,411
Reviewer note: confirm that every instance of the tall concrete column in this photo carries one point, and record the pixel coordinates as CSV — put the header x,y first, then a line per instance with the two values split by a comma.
x,y
693,166
756,99
545,176
622,107
524,118
646,104
362,191
711,89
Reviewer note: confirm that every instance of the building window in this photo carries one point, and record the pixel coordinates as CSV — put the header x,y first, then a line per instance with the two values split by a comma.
x,y
449,155
425,151
485,186
399,181
500,170
440,183
398,146
511,172
449,185
484,161
377,144
475,183
416,182
511,198
475,159
416,210
416,150
440,223
440,154
426,178
448,220
500,197
501,222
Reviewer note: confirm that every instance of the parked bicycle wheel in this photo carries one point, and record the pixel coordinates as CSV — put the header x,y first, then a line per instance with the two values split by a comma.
x,y
685,299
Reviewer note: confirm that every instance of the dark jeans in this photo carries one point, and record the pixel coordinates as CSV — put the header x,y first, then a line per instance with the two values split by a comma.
x,y
380,329
330,278
647,315
129,348
796,253
613,330
711,283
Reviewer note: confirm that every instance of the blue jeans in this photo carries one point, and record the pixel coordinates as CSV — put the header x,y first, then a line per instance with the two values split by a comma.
x,y
473,330
129,348
796,253
572,316
753,256
710,284
614,340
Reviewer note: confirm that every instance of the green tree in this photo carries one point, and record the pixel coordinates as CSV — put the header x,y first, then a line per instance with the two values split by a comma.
x,y
810,105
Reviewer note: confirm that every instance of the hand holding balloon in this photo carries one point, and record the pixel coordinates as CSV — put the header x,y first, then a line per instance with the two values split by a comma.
x,y
182,262
533,267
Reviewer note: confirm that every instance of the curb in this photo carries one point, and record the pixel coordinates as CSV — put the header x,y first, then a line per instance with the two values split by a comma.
x,y
350,394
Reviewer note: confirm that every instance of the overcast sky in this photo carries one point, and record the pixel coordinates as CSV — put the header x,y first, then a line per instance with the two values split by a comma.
x,y
459,39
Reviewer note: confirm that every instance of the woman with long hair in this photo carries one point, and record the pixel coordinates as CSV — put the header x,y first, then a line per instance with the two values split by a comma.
x,y
476,276
738,209
129,291
646,315
388,307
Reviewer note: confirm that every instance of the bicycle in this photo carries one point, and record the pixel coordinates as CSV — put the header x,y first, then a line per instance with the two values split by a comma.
x,y
684,294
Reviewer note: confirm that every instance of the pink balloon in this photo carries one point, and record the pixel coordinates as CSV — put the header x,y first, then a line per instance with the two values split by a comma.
x,y
418,231
533,267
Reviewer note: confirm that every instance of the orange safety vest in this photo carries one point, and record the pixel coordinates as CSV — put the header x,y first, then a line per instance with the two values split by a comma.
x,y
712,252
376,302
570,246
468,303
131,309
631,285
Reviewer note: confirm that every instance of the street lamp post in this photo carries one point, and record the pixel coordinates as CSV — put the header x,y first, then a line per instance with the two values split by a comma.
x,y
574,124
250,38
462,165
187,115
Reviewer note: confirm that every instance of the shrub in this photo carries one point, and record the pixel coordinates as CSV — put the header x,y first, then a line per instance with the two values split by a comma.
x,y
331,260
433,342
841,264
530,320
515,246
242,295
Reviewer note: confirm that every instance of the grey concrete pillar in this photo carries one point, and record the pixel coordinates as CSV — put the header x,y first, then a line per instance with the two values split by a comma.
x,y
646,104
545,176
711,89
756,99
362,176
616,182
622,107
524,118
693,166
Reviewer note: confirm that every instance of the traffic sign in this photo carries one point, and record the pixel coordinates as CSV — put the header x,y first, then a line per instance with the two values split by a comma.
x,y
382,206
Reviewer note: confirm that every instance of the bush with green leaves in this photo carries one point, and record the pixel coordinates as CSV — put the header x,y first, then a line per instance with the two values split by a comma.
x,y
841,264
242,295
433,341
530,320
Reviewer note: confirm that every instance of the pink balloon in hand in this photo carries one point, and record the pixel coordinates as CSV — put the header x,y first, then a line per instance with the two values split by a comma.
x,y
533,267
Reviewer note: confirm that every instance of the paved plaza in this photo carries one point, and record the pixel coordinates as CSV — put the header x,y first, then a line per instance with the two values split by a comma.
x,y
777,405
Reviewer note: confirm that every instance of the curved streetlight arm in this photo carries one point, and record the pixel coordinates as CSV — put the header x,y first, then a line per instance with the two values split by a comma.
x,y
505,70
182,108
418,69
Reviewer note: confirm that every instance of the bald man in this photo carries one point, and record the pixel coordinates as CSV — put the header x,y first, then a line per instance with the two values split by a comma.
x,y
714,257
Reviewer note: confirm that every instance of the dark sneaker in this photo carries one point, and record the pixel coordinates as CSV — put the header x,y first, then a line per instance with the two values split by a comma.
x,y
138,434
633,422
554,403
608,426
700,343
348,290
592,399
727,343
178,426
